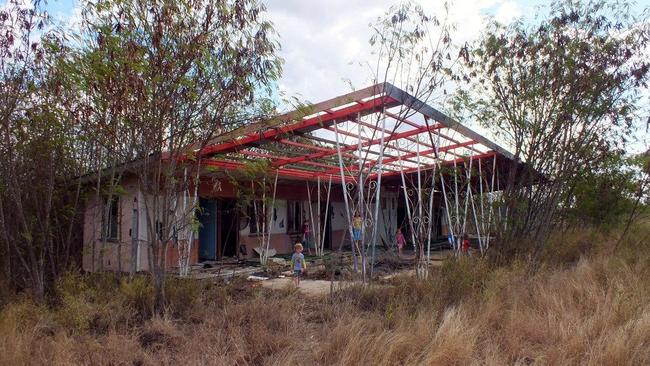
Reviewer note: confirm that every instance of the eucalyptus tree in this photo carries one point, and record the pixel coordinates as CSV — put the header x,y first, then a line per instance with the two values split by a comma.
x,y
414,51
163,78
641,198
38,150
561,91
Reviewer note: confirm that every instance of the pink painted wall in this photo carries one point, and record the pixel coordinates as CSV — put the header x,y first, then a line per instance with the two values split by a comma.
x,y
117,254
112,260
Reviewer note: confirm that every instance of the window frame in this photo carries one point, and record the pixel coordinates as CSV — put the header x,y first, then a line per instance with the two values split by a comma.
x,y
253,221
294,226
108,232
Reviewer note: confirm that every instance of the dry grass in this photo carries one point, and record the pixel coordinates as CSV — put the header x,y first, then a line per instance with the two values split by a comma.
x,y
584,307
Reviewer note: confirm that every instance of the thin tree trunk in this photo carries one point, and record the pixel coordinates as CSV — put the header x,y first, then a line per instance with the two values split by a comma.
x,y
633,213
5,237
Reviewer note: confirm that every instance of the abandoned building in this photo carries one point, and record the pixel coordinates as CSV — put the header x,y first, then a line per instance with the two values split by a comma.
x,y
398,144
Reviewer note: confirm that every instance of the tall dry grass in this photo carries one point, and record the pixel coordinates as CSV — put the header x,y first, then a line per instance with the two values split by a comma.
x,y
594,313
104,320
585,304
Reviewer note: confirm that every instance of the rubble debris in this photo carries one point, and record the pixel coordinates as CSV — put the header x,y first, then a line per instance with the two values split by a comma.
x,y
279,260
259,250
257,278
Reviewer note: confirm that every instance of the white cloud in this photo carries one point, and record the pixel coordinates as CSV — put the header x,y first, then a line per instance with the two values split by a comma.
x,y
325,44
508,11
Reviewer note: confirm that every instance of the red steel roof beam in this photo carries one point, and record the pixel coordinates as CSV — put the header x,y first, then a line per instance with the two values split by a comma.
x,y
431,166
358,136
347,133
425,153
320,148
428,152
352,134
274,158
347,148
404,120
446,137
311,147
408,138
395,116
276,132
284,172
387,131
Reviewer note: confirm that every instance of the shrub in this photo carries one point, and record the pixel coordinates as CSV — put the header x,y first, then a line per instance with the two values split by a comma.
x,y
567,247
138,294
459,278
91,303
182,295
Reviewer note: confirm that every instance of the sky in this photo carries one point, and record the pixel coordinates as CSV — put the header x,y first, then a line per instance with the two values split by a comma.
x,y
326,51
325,43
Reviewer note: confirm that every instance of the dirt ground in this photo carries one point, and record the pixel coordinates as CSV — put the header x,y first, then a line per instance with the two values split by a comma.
x,y
311,288
318,288
277,275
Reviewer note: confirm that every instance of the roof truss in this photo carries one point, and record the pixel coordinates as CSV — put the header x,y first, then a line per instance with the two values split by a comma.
x,y
378,120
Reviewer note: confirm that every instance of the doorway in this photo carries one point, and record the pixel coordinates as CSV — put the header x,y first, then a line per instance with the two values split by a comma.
x,y
228,230
208,230
218,234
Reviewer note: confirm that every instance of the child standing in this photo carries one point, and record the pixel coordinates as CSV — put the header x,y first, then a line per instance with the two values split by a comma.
x,y
357,225
306,235
452,242
298,263
465,246
401,241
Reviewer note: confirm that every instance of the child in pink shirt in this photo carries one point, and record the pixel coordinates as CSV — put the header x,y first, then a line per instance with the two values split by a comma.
x,y
401,241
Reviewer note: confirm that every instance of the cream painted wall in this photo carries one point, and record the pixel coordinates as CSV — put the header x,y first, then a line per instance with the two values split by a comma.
x,y
115,251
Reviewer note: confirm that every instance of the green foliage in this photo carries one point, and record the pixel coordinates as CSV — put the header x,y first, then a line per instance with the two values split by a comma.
x,y
97,303
159,81
253,182
561,91
569,246
454,282
461,277
38,148
90,303
207,59
414,49
603,196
